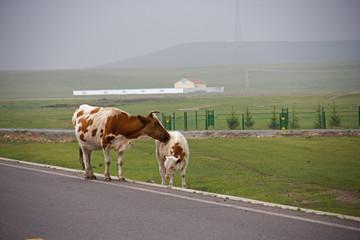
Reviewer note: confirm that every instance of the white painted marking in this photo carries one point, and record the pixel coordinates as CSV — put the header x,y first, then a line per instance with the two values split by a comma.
x,y
194,199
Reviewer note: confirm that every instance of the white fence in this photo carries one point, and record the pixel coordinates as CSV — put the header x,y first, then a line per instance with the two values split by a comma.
x,y
205,89
147,91
129,91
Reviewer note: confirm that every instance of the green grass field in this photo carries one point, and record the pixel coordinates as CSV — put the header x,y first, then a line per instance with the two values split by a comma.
x,y
274,79
40,114
316,173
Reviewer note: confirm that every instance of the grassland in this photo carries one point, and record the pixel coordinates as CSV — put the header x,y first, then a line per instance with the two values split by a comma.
x,y
267,79
56,114
316,173
300,85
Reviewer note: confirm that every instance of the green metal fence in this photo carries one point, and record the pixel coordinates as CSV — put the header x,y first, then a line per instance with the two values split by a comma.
x,y
211,120
284,119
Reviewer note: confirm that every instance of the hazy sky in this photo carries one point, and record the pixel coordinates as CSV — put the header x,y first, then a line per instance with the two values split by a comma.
x,y
62,34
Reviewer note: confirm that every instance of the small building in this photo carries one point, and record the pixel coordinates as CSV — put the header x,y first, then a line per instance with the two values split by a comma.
x,y
190,83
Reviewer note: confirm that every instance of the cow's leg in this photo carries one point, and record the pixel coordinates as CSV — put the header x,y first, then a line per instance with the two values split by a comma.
x,y
89,174
107,160
161,161
162,171
120,162
183,173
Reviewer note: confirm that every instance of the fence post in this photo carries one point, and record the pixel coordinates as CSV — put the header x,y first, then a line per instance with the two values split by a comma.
x,y
185,121
323,118
284,118
242,122
211,118
167,122
196,123
173,120
359,116
206,119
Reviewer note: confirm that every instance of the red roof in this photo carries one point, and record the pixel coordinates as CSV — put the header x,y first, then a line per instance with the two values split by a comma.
x,y
195,80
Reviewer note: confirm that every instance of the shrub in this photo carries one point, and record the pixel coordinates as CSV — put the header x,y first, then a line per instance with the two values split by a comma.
x,y
274,121
232,120
294,120
335,119
318,122
249,122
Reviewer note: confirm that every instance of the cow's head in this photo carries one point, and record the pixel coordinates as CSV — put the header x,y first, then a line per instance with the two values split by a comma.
x,y
154,128
171,165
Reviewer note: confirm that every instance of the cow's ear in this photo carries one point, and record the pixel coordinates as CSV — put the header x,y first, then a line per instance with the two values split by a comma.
x,y
178,161
153,113
143,119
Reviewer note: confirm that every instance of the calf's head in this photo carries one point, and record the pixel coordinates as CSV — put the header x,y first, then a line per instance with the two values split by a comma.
x,y
153,127
171,165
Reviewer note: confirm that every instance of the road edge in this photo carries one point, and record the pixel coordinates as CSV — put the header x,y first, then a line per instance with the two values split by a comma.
x,y
222,196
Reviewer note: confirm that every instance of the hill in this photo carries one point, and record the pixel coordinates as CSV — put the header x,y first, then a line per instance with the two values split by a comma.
x,y
230,53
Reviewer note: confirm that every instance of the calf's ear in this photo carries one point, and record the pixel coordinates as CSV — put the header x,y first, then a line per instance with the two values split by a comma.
x,y
143,119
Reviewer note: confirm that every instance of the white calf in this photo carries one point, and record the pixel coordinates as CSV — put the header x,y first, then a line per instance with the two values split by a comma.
x,y
171,156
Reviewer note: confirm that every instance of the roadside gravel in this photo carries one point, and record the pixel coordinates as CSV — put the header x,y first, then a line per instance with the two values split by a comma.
x,y
67,135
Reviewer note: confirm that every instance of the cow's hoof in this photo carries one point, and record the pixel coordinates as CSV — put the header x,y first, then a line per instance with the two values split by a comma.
x,y
107,179
90,177
122,179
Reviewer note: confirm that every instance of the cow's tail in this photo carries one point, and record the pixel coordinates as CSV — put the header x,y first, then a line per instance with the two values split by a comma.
x,y
81,158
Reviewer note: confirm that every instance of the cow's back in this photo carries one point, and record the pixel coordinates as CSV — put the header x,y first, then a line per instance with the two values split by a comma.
x,y
89,122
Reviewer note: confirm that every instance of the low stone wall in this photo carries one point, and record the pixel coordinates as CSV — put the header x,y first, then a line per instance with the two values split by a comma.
x,y
65,135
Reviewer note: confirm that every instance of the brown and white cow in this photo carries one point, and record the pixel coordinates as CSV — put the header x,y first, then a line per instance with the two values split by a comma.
x,y
172,155
98,128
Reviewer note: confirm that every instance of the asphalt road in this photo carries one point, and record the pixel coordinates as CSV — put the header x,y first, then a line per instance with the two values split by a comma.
x,y
38,202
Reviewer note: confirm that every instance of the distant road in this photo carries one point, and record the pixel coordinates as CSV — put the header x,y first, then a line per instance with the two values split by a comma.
x,y
38,202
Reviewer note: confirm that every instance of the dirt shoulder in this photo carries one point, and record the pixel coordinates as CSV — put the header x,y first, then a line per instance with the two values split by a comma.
x,y
65,135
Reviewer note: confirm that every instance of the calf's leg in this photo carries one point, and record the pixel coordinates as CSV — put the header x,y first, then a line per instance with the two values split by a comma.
x,y
183,183
171,181
183,173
